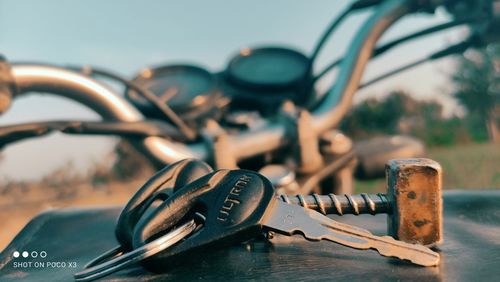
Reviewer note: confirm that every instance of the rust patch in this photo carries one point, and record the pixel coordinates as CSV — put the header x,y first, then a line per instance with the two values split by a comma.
x,y
412,195
420,223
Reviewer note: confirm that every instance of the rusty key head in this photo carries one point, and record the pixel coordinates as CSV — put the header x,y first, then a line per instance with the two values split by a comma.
x,y
414,189
233,203
158,187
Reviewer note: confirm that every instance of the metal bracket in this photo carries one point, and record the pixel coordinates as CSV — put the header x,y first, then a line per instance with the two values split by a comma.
x,y
305,144
223,152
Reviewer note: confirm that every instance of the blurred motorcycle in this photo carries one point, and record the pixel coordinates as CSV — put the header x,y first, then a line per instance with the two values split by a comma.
x,y
262,112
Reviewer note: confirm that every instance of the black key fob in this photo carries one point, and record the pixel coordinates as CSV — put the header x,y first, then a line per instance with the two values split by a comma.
x,y
233,202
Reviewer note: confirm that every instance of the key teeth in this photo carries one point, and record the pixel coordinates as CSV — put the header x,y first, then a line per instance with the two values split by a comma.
x,y
420,262
416,260
293,219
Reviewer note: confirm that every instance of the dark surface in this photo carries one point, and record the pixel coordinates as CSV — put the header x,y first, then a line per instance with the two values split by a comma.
x,y
470,252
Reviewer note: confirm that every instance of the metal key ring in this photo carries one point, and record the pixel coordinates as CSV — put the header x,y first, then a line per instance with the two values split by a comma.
x,y
150,249
111,254
117,251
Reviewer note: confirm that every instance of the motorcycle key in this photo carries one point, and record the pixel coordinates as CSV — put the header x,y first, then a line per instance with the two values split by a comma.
x,y
240,205
159,187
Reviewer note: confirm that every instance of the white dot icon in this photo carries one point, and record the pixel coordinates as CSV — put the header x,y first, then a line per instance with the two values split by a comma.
x,y
25,254
15,254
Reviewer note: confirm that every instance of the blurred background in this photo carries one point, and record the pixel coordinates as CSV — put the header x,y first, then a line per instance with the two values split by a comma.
x,y
451,105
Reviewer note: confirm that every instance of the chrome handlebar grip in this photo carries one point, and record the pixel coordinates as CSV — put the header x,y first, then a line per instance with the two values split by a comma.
x,y
77,87
102,100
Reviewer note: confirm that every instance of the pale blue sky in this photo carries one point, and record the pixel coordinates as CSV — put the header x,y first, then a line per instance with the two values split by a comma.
x,y
127,36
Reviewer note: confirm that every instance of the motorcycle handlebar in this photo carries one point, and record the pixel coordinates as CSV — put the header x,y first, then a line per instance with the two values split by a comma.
x,y
339,99
270,136
102,100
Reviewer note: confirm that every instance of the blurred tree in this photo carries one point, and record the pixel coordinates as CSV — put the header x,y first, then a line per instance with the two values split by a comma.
x,y
399,113
374,116
477,82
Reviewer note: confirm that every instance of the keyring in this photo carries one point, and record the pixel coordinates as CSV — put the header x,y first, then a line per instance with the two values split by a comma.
x,y
101,267
111,254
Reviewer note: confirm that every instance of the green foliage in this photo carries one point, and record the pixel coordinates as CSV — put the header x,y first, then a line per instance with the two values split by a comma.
x,y
373,117
477,83
399,113
477,88
442,132
458,162
472,79
476,128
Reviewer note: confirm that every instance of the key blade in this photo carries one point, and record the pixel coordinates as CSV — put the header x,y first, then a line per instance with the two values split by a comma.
x,y
289,220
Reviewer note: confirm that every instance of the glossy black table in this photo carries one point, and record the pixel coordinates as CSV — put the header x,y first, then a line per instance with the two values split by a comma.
x,y
470,252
